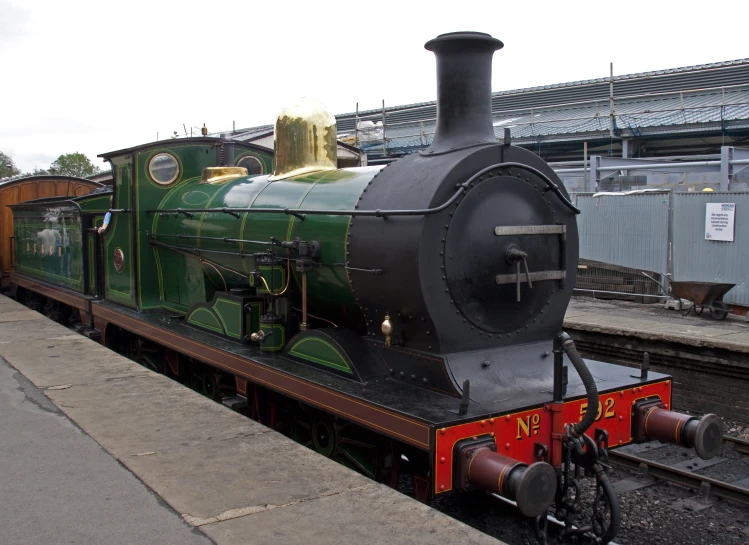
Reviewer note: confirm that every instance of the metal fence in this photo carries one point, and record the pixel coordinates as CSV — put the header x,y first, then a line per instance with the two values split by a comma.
x,y
629,231
701,260
724,171
661,233
620,236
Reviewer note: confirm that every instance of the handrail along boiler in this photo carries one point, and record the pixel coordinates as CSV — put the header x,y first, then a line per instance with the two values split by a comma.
x,y
413,310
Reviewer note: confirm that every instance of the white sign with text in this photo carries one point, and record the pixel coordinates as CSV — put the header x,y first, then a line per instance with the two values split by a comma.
x,y
719,220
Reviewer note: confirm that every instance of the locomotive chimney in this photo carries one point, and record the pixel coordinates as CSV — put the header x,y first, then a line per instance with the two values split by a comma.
x,y
464,88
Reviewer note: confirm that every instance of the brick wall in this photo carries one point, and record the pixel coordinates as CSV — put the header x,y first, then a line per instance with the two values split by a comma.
x,y
704,380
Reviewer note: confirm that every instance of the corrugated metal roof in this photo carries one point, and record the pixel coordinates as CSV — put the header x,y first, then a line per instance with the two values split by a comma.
x,y
693,99
248,134
674,79
677,113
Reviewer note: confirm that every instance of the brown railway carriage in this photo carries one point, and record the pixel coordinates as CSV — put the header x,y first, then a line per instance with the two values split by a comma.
x,y
28,188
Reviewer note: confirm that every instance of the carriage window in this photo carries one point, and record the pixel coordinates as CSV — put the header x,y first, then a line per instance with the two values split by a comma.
x,y
252,164
163,168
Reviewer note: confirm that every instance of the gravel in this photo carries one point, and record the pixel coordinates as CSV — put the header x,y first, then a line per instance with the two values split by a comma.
x,y
649,515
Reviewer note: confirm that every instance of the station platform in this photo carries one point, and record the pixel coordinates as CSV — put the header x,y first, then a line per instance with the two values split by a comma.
x,y
708,359
655,322
97,449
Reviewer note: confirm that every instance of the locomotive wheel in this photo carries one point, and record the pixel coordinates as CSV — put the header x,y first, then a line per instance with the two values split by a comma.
x,y
209,385
347,444
324,435
209,382
146,354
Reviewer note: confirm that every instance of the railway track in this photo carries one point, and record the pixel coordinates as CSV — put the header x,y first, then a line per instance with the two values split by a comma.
x,y
707,486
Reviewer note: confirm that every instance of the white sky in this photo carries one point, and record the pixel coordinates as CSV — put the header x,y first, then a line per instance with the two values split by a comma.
x,y
95,76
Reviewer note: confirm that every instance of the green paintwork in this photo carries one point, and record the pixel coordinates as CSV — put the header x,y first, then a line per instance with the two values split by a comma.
x,y
204,317
253,319
91,204
120,286
141,284
230,314
275,342
224,315
91,264
167,278
328,285
320,351
274,276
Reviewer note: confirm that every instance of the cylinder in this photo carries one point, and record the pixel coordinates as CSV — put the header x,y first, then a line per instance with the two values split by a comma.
x,y
705,434
531,487
464,88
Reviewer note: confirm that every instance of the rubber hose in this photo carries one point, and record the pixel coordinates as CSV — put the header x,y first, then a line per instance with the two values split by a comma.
x,y
590,388
613,501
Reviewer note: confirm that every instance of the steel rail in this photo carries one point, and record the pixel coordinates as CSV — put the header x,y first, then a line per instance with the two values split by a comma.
x,y
686,478
737,444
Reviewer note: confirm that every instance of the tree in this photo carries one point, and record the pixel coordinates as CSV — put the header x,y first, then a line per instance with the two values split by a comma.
x,y
7,167
74,164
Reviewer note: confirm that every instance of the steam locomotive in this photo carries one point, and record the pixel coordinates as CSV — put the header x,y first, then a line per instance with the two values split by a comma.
x,y
398,318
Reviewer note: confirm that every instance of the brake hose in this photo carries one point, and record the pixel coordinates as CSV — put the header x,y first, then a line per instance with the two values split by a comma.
x,y
568,345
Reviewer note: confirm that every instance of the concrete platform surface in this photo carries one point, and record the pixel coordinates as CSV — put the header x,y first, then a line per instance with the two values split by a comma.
x,y
654,322
59,486
212,473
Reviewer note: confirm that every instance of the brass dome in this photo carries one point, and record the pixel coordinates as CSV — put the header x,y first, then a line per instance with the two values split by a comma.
x,y
305,140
